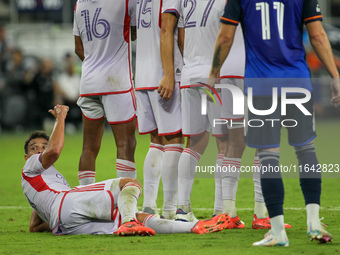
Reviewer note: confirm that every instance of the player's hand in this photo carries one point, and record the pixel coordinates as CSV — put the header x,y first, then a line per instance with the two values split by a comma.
x,y
211,84
59,111
335,88
166,87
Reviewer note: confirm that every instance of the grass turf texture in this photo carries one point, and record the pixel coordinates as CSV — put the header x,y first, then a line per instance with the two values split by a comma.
x,y
15,211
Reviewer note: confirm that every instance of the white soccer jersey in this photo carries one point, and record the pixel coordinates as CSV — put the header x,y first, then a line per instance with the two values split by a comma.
x,y
201,20
149,71
104,28
44,189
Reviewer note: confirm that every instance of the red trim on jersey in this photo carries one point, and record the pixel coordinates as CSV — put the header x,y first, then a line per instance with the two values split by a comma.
x,y
127,20
112,205
92,118
160,14
133,95
146,88
148,132
39,184
314,17
231,77
171,133
75,7
61,204
229,20
124,121
108,93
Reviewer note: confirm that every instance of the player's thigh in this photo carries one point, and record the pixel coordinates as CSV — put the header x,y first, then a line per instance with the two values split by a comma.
x,y
145,116
167,113
301,127
262,131
193,121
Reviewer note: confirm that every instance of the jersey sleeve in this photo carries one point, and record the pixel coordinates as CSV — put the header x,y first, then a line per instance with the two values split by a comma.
x,y
171,6
232,13
33,165
311,11
180,23
75,26
132,12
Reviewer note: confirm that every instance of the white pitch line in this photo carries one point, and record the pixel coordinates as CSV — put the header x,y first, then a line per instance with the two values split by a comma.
x,y
194,209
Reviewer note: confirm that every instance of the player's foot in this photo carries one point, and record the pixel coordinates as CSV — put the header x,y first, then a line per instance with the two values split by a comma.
x,y
264,223
134,228
319,233
183,216
217,223
235,223
271,240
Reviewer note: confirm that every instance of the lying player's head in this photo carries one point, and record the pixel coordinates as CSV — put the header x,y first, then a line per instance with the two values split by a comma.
x,y
36,143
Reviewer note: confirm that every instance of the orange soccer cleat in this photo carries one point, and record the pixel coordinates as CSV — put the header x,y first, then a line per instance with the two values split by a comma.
x,y
215,224
235,223
264,223
134,228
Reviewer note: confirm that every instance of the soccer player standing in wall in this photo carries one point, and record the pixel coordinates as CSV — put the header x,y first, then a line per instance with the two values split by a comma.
x,y
102,42
274,52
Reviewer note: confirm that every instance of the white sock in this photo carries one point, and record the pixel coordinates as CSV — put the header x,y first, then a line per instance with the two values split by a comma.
x,y
172,153
277,224
186,173
152,173
229,207
162,226
313,214
218,206
126,168
86,177
260,209
230,176
127,201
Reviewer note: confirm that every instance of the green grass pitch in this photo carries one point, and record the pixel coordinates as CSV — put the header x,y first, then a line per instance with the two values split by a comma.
x,y
15,211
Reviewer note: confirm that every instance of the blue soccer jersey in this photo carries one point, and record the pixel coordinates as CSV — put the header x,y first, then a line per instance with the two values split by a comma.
x,y
273,33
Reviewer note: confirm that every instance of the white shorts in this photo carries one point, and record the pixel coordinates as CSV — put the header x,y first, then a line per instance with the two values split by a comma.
x,y
227,100
154,113
117,108
193,121
90,209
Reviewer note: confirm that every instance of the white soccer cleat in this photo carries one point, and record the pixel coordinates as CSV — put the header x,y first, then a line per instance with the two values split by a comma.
x,y
270,240
319,233
186,217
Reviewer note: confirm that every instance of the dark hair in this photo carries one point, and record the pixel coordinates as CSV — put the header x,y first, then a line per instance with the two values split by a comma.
x,y
35,134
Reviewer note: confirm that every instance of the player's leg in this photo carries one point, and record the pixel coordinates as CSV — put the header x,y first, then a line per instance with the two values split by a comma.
x,y
186,173
169,124
301,137
152,172
93,128
163,226
120,110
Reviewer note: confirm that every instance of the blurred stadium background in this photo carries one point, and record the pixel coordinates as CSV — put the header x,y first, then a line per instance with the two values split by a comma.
x,y
38,67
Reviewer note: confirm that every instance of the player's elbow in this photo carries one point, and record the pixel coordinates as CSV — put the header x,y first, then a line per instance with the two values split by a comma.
x,y
318,38
225,39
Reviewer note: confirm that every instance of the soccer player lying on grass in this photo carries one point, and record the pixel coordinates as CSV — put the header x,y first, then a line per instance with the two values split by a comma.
x,y
106,207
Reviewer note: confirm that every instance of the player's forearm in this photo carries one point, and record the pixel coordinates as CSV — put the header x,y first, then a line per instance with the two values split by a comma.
x,y
322,47
167,44
223,45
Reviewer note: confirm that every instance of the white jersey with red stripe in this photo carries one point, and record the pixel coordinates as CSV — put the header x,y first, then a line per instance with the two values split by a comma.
x,y
44,189
201,20
149,71
104,28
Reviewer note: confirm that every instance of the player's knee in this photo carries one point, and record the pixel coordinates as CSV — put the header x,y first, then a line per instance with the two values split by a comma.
x,y
129,181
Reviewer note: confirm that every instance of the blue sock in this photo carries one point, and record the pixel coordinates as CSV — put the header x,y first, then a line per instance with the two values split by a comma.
x,y
271,182
310,181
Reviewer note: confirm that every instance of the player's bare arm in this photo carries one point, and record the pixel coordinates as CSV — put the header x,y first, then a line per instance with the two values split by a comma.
x,y
322,48
37,224
78,47
133,33
56,142
167,84
181,36
223,44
